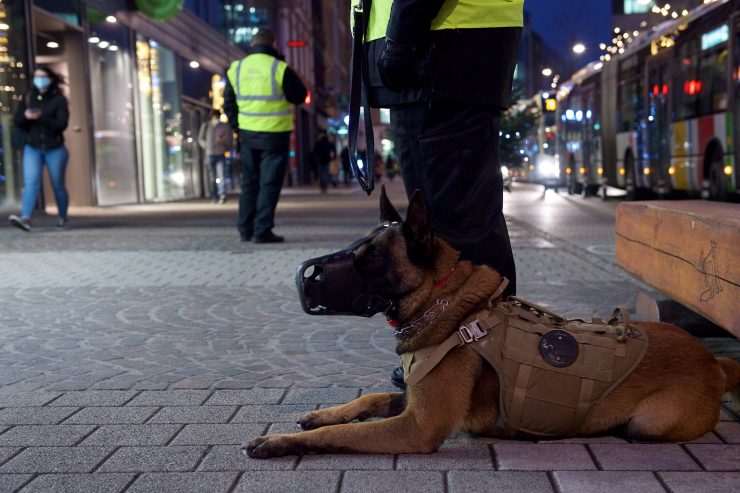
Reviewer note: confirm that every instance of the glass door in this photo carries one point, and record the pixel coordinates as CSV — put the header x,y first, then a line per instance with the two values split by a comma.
x,y
160,122
659,126
111,82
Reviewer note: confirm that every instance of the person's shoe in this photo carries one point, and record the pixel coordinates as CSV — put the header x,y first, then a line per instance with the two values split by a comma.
x,y
246,238
269,237
20,222
222,200
397,378
61,223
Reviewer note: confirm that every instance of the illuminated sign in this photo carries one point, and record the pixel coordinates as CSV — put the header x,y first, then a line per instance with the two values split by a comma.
x,y
715,37
296,43
551,104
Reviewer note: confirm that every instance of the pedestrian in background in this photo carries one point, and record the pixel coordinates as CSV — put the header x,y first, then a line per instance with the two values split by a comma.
x,y
42,116
346,166
323,152
445,96
216,139
258,97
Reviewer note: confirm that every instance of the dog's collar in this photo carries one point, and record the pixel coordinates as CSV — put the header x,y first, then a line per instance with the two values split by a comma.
x,y
440,283
427,319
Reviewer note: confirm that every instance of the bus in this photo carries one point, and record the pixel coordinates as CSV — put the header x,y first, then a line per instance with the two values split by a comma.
x,y
660,118
539,146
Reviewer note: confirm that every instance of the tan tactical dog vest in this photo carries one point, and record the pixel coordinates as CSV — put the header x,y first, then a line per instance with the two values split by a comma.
x,y
552,371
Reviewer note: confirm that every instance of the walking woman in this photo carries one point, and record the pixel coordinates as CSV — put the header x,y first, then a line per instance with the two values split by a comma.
x,y
42,116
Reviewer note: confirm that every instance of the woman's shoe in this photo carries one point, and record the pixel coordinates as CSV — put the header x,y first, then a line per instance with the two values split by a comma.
x,y
61,223
23,223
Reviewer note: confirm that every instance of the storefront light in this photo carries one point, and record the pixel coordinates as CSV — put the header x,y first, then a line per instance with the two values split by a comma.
x,y
93,39
111,19
113,48
104,44
52,44
4,26
194,64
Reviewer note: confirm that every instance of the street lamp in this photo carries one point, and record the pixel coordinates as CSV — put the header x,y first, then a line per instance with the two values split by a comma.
x,y
579,48
547,72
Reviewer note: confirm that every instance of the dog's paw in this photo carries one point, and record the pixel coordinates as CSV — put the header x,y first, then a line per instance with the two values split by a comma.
x,y
266,447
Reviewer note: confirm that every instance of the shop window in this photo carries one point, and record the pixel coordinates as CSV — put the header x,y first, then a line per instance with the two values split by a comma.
x,y
713,93
67,10
111,82
13,86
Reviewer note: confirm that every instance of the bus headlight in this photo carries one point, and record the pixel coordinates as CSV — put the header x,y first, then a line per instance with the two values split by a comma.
x,y
548,167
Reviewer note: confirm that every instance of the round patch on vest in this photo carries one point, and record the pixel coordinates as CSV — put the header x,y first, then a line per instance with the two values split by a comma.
x,y
558,348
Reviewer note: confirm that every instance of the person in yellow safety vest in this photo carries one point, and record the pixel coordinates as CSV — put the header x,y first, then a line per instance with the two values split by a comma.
x,y
445,69
260,92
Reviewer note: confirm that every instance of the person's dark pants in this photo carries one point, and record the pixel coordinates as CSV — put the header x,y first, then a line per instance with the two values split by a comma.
x,y
263,172
450,151
323,176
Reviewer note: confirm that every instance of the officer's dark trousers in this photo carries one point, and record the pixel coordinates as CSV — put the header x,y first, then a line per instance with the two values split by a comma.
x,y
449,150
263,172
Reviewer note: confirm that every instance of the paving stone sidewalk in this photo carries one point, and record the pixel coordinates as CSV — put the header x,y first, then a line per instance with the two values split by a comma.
x,y
141,347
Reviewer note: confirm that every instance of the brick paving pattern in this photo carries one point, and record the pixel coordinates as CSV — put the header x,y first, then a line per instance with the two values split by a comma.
x,y
141,347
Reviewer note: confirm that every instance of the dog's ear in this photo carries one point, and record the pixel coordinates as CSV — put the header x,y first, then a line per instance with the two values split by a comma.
x,y
388,213
418,231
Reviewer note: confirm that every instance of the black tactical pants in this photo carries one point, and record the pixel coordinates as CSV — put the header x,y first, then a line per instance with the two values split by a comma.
x,y
449,150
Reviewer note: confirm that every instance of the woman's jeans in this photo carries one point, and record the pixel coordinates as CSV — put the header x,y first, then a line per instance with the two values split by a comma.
x,y
216,165
33,165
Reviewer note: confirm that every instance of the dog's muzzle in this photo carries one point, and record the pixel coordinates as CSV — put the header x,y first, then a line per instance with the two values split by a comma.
x,y
331,285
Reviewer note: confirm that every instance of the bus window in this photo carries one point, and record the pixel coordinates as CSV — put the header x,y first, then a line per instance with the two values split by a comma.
x,y
713,93
688,83
630,104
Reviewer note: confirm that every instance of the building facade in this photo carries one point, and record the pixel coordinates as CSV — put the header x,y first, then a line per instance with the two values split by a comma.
x,y
139,88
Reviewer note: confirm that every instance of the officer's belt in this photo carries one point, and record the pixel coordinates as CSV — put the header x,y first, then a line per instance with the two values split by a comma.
x,y
537,398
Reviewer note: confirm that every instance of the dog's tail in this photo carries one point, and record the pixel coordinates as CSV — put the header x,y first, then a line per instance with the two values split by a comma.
x,y
731,370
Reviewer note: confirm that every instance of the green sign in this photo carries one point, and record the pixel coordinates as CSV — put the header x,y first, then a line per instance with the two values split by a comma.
x,y
159,10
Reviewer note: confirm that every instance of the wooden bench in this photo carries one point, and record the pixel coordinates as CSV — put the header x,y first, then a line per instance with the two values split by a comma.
x,y
688,250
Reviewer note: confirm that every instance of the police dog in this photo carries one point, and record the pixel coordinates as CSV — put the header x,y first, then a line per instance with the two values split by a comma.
x,y
673,395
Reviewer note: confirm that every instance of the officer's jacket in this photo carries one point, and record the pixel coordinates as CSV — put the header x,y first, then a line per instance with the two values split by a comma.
x,y
552,372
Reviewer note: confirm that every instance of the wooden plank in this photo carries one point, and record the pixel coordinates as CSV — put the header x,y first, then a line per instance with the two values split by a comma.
x,y
689,250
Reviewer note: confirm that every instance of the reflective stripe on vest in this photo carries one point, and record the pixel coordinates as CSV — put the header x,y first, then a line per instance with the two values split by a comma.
x,y
454,14
258,84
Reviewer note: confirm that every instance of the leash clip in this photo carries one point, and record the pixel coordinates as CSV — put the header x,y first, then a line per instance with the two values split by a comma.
x,y
472,331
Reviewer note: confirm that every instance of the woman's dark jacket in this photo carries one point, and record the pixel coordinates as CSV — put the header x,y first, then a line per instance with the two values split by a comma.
x,y
48,131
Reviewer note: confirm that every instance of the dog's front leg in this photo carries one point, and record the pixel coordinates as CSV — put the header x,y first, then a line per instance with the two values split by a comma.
x,y
368,406
404,434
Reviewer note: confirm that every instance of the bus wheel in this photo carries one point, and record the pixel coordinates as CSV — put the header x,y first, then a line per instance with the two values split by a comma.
x,y
717,182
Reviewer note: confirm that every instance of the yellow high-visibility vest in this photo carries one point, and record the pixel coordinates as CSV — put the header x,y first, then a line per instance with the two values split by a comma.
x,y
258,84
454,14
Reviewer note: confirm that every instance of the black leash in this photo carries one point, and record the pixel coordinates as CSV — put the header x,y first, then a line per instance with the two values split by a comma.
x,y
358,98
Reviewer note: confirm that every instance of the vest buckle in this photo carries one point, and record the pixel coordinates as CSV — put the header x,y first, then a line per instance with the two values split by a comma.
x,y
472,331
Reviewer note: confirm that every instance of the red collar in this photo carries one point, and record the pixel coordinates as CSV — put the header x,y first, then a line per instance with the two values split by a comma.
x,y
439,283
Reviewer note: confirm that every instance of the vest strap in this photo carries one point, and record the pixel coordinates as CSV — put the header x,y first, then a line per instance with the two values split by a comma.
x,y
416,369
517,402
584,401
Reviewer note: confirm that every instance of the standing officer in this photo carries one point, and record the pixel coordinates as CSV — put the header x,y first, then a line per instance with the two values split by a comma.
x,y
445,70
258,98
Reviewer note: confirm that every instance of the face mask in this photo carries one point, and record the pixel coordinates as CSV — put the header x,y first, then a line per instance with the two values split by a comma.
x,y
214,121
41,82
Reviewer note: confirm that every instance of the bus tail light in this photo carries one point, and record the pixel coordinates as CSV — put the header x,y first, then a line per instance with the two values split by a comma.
x,y
582,170
568,170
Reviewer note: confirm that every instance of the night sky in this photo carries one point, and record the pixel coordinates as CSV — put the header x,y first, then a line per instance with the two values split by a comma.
x,y
562,23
